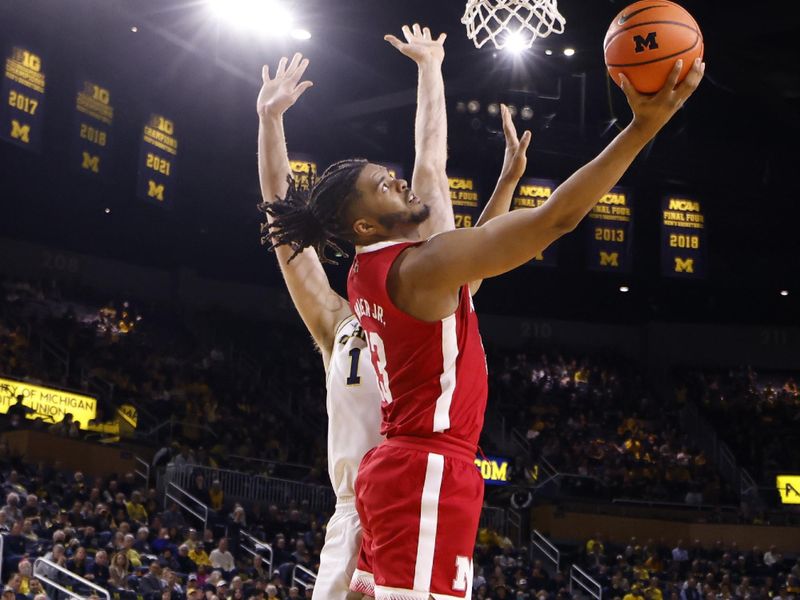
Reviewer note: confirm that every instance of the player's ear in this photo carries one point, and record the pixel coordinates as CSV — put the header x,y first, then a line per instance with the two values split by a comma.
x,y
363,228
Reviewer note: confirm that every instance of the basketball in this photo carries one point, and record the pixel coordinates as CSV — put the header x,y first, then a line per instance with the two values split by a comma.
x,y
646,38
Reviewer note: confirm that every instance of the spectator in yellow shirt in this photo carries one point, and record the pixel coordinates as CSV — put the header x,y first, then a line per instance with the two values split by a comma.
x,y
634,594
134,559
136,510
652,591
199,556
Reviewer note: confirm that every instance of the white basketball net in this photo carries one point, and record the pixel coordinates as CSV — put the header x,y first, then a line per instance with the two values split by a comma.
x,y
511,22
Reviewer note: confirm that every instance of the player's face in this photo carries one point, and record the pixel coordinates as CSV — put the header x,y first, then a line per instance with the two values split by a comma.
x,y
386,207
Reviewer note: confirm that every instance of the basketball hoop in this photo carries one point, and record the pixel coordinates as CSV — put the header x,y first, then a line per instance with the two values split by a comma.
x,y
516,22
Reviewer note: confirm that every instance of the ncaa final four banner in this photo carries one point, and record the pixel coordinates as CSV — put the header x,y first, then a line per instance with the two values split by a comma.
x,y
22,108
94,117
159,150
683,238
465,199
304,170
609,229
531,193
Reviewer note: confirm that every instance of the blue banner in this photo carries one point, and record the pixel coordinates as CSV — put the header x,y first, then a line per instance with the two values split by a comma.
x,y
609,229
22,107
531,193
159,149
683,238
94,117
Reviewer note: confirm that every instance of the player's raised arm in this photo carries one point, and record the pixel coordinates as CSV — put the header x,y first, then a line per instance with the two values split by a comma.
x,y
515,161
452,259
429,179
320,307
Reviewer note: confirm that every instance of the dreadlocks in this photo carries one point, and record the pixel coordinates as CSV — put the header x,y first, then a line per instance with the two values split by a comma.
x,y
311,219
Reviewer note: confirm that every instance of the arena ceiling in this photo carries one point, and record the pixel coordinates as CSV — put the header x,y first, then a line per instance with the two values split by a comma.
x,y
734,144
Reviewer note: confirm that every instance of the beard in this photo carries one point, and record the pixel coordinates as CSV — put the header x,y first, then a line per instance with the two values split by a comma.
x,y
392,220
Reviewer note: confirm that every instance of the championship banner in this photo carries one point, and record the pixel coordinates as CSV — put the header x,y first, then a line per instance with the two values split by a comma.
x,y
531,193
609,228
396,170
466,201
48,404
22,109
94,116
304,170
683,238
493,469
159,150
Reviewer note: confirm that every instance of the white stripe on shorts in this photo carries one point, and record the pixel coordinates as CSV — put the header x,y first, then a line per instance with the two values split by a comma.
x,y
447,380
428,519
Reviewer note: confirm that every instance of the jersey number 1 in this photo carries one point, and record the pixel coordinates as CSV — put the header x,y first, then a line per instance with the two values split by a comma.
x,y
353,378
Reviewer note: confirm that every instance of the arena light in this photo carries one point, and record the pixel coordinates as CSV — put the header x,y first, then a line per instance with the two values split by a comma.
x,y
784,293
548,52
268,17
624,289
569,51
516,43
301,34
134,29
473,106
526,113
493,109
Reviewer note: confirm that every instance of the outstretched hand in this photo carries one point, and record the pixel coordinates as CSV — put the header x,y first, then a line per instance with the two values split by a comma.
x,y
419,45
652,112
280,93
516,159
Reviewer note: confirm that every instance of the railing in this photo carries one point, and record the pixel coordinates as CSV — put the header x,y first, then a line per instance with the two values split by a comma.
x,y
276,467
142,469
521,440
199,511
493,518
514,520
546,547
255,549
675,505
304,583
255,488
581,578
42,569
172,424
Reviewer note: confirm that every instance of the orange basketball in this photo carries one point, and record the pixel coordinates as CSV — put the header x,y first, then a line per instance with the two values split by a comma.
x,y
646,39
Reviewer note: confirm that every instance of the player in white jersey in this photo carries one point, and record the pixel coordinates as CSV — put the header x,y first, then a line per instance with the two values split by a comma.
x,y
353,400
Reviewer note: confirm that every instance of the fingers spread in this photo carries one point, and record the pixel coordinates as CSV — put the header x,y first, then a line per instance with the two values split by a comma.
x,y
508,125
298,73
693,79
672,80
426,32
302,87
407,33
294,64
265,73
417,30
442,37
524,142
281,67
393,41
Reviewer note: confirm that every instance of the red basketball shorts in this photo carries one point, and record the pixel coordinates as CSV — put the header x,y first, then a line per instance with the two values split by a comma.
x,y
419,503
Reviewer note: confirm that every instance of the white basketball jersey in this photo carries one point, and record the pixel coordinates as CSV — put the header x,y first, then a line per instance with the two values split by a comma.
x,y
354,406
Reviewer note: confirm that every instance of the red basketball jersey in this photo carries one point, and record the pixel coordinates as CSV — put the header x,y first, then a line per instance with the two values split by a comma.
x,y
432,375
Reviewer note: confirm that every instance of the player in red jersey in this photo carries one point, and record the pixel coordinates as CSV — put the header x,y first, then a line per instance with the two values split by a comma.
x,y
418,493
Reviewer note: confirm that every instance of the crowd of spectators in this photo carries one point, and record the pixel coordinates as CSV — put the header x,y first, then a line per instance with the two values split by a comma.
x,y
756,413
114,533
654,570
215,394
595,419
